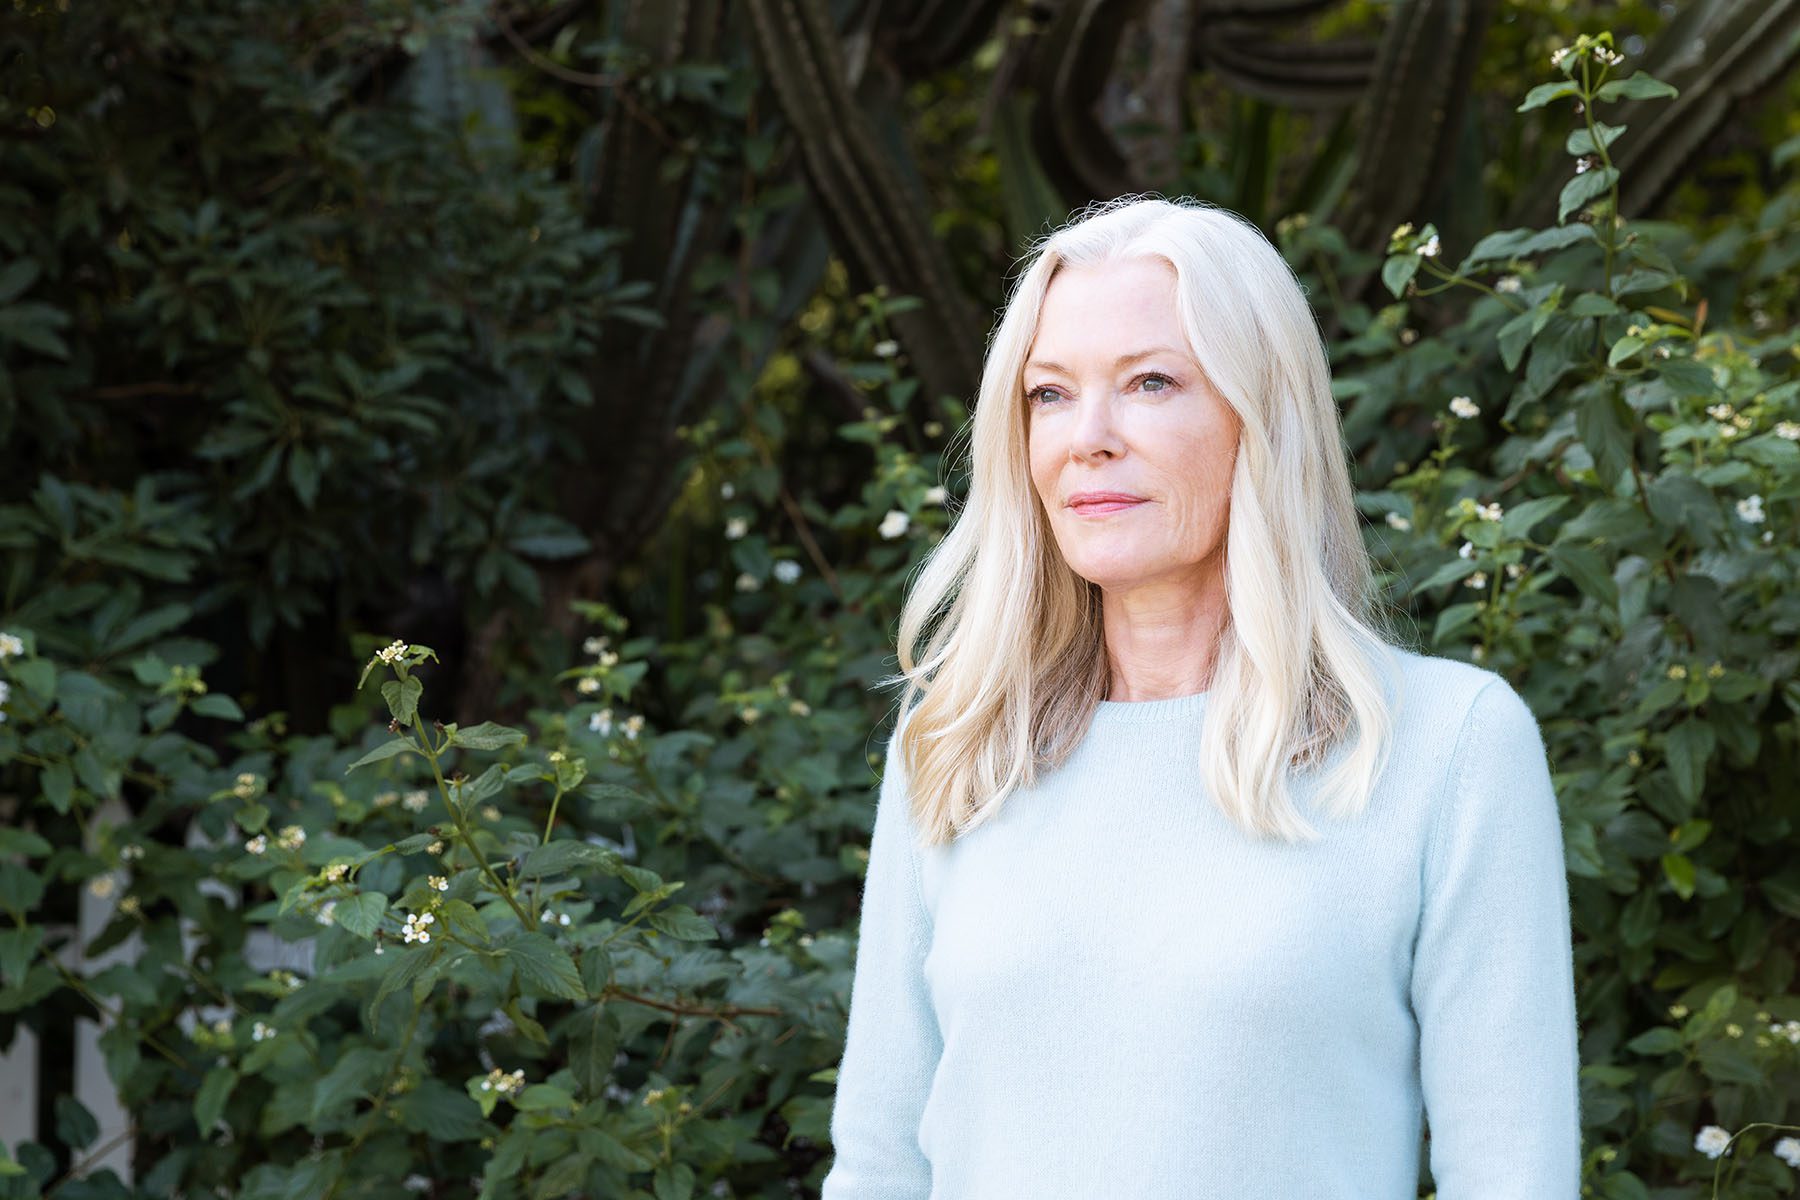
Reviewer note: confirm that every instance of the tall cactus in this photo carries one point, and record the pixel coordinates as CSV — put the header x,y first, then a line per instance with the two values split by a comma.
x,y
875,224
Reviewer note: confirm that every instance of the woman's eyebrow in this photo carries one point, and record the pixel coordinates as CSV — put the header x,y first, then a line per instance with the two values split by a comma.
x,y
1124,360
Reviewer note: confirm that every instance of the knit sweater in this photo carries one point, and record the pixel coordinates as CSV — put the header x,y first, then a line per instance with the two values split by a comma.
x,y
1110,991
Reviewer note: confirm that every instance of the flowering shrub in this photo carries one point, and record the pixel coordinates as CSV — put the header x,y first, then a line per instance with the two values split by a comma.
x,y
605,950
1605,512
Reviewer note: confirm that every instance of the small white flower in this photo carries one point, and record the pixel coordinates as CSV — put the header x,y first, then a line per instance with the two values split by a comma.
x,y
1750,509
489,813
257,844
130,852
936,495
385,799
336,871
634,725
1491,512
1514,570
786,570
1720,412
726,490
1466,550
260,1032
1430,248
608,658
291,837
1464,407
736,528
1477,580
1507,284
894,524
887,348
587,685
102,886
562,918
1788,429
415,800
1711,1141
594,645
1788,1151
799,708
437,883
746,582
601,722
246,786
393,651
10,645
323,916
1399,522
1582,164
1558,55
749,714
435,849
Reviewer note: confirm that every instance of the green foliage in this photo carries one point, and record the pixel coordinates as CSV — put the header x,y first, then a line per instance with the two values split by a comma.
x,y
601,944
1606,516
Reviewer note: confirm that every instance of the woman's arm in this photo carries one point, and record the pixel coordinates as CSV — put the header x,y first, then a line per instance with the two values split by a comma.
x,y
891,1042
1493,983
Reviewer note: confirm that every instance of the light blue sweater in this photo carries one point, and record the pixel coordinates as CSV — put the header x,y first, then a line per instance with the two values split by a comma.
x,y
1109,991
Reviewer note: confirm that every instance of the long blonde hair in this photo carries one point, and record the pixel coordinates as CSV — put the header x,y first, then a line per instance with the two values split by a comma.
x,y
1001,648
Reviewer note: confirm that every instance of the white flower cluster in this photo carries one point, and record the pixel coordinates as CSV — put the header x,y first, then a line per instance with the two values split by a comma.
x,y
257,844
894,524
1787,1029
1430,248
1508,284
415,800
1611,58
1490,512
1464,407
414,929
1399,522
746,582
553,918
936,495
336,871
587,685
437,883
887,348
504,1082
786,571
386,799
323,916
1750,509
1788,429
131,852
10,645
601,722
246,785
393,651
260,1032
291,837
736,528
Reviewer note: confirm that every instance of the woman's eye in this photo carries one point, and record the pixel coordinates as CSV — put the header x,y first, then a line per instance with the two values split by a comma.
x,y
1153,378
1040,395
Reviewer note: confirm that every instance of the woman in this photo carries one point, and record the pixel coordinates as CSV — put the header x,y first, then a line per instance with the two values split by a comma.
x,y
1184,881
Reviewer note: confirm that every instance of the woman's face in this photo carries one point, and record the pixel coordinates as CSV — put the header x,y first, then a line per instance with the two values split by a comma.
x,y
1115,405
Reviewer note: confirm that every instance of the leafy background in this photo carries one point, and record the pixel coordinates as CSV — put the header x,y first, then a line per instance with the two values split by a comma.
x,y
585,378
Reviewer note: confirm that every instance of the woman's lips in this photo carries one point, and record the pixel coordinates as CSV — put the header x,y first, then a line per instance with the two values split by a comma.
x,y
1096,508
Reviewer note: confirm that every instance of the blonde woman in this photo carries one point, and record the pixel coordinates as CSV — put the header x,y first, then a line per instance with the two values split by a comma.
x,y
1185,880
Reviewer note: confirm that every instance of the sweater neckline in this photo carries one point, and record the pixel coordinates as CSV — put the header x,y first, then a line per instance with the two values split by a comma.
x,y
1131,712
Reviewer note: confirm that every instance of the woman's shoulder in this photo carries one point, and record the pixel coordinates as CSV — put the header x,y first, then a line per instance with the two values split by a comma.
x,y
1448,702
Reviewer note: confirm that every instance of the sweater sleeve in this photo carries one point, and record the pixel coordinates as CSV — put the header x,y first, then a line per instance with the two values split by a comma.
x,y
891,1041
1493,985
